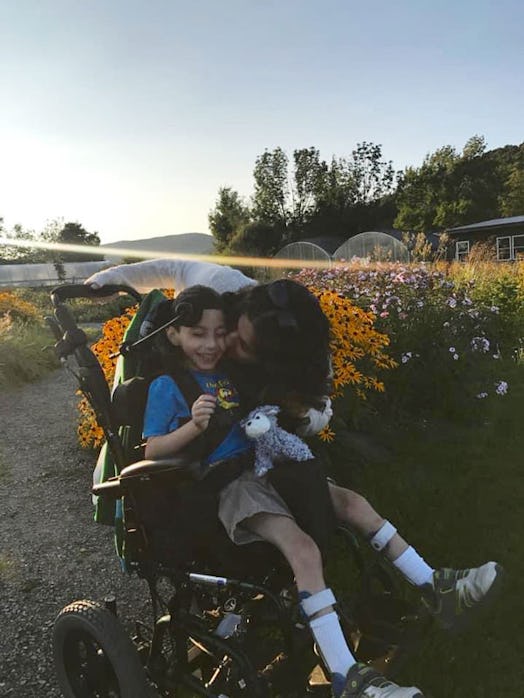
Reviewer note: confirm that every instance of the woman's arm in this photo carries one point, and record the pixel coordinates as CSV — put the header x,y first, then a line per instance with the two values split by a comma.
x,y
315,420
172,273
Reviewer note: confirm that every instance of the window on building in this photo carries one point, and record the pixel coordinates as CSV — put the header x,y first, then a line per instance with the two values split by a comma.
x,y
504,249
462,250
518,247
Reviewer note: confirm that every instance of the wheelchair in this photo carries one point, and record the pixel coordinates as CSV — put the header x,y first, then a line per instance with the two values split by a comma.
x,y
225,622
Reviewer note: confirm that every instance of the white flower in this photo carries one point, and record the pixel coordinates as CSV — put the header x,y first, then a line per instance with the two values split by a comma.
x,y
455,356
452,302
406,357
481,396
480,344
452,350
501,388
494,309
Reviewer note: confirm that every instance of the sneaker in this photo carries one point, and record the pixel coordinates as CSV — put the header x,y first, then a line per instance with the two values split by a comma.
x,y
363,681
455,594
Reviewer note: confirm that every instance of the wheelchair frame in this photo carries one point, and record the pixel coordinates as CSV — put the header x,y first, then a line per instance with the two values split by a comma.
x,y
212,635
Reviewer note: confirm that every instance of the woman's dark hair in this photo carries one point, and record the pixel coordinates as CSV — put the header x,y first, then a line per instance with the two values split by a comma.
x,y
292,336
185,310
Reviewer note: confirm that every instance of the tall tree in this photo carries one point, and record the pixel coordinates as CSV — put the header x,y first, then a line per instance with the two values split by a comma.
x,y
373,177
228,217
309,176
270,201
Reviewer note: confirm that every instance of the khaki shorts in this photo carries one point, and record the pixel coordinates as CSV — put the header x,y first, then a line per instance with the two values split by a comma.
x,y
243,498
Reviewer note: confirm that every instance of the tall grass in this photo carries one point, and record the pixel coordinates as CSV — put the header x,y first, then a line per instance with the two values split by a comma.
x,y
22,355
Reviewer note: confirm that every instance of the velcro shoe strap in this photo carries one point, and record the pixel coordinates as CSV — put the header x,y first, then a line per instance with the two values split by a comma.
x,y
383,536
359,677
317,602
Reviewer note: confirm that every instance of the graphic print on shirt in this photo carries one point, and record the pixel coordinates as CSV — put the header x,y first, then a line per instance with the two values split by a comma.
x,y
227,396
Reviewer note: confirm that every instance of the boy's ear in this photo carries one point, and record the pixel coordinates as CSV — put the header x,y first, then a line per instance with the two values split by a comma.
x,y
173,335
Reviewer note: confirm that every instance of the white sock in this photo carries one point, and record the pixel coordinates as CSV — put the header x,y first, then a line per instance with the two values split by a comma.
x,y
332,643
414,568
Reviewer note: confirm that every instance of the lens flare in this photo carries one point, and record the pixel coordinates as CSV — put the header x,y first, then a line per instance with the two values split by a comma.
x,y
232,260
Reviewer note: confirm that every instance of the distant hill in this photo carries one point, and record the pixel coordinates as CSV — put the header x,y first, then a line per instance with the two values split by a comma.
x,y
186,243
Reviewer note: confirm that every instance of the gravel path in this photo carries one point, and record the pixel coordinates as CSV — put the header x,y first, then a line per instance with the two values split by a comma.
x,y
51,551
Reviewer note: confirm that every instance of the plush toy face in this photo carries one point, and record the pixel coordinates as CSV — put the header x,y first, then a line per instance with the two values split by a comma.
x,y
257,425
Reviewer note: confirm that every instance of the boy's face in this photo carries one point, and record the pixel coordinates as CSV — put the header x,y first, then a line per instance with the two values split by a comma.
x,y
203,344
241,342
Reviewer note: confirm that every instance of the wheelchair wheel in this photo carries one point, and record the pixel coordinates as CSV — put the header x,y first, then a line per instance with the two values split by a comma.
x,y
94,658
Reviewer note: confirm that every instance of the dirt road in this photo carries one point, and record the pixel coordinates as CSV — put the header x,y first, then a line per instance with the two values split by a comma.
x,y
51,551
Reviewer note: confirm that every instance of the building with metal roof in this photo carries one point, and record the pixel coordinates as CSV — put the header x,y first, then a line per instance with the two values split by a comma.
x,y
506,235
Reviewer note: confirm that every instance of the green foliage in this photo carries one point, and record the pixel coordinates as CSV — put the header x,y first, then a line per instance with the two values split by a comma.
x,y
316,198
512,203
229,216
22,355
259,238
307,197
452,189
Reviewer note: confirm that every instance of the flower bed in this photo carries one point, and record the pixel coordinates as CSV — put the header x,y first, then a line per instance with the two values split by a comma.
x,y
450,331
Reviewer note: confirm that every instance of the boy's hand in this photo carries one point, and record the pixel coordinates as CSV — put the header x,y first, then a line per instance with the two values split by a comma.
x,y
202,409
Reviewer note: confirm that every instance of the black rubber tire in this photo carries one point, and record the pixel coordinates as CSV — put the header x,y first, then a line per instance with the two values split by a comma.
x,y
94,657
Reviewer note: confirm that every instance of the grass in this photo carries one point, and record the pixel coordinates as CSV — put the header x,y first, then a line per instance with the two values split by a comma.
x,y
22,355
26,354
455,492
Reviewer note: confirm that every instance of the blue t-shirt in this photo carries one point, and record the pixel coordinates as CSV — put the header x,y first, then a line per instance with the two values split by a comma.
x,y
166,406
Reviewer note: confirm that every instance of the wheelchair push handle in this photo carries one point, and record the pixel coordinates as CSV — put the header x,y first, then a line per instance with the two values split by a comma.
x,y
68,291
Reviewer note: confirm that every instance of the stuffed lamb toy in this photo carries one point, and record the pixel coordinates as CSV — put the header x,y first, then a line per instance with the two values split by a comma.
x,y
271,441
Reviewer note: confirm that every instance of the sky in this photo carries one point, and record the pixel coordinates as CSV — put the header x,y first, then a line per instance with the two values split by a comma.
x,y
128,115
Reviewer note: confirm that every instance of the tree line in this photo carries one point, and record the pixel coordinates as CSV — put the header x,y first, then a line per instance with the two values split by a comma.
x,y
304,196
72,233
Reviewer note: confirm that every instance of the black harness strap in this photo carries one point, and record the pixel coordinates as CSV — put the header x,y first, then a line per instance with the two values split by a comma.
x,y
129,403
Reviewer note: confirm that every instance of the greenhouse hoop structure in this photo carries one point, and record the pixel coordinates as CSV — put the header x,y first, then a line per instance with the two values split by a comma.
x,y
373,245
303,251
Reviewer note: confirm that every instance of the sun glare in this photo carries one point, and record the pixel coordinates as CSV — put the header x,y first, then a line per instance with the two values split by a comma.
x,y
119,252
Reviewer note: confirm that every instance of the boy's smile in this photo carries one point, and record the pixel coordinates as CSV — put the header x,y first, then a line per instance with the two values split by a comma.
x,y
203,344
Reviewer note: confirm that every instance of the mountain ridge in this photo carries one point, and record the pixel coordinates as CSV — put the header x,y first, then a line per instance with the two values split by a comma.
x,y
188,243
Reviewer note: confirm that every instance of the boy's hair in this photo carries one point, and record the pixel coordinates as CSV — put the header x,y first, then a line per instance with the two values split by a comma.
x,y
291,333
185,310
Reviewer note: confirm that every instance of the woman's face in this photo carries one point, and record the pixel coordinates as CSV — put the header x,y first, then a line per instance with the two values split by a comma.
x,y
240,343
